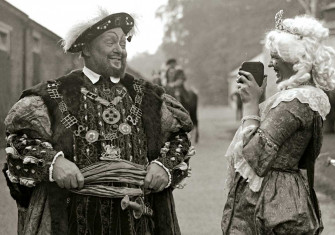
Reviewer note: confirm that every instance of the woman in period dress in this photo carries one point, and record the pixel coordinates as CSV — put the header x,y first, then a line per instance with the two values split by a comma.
x,y
267,192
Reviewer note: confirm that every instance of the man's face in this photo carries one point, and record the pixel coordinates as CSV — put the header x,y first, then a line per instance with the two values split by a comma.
x,y
284,70
173,65
106,54
170,74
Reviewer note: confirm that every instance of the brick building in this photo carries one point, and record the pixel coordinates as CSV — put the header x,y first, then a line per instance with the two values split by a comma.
x,y
29,53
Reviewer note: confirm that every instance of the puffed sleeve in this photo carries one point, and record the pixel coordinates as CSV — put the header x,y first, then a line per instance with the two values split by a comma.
x,y
177,149
281,122
29,151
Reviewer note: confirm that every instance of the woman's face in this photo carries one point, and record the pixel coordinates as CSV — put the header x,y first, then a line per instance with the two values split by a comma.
x,y
284,70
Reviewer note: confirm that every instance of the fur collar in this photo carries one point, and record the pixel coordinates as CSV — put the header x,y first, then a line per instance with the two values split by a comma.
x,y
70,89
165,219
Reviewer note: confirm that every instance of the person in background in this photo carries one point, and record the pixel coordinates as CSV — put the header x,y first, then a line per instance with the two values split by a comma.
x,y
267,191
171,66
238,105
96,116
175,85
156,78
166,71
171,63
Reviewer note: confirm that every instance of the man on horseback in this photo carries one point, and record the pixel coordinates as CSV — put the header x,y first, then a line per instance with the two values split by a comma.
x,y
175,86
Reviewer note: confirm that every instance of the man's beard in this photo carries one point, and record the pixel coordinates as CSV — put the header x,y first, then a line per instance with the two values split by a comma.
x,y
114,72
119,73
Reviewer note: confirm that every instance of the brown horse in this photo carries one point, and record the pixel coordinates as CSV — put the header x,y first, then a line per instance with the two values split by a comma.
x,y
187,97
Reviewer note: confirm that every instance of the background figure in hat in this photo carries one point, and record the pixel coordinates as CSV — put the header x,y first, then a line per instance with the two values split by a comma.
x,y
173,78
187,97
268,194
78,144
167,70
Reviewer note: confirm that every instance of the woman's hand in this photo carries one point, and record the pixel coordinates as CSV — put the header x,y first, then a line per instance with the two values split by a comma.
x,y
248,88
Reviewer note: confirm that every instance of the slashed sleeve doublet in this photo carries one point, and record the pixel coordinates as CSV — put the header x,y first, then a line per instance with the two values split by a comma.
x,y
29,151
177,149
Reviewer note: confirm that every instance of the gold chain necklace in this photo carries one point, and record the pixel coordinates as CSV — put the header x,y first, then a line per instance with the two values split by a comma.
x,y
110,115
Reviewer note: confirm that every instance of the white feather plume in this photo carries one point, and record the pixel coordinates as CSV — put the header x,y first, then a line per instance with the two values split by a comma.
x,y
76,30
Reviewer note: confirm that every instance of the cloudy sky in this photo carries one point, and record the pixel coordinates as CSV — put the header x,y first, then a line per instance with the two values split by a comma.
x,y
58,15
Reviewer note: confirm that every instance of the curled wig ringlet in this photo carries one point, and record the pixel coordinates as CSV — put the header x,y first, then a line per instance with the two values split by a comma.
x,y
302,44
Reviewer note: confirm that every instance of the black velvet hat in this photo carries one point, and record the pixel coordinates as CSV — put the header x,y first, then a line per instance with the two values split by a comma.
x,y
76,40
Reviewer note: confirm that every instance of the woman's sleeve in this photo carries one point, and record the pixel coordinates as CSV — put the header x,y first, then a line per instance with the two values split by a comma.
x,y
280,123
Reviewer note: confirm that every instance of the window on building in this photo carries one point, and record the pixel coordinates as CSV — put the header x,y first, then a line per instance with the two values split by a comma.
x,y
36,42
5,37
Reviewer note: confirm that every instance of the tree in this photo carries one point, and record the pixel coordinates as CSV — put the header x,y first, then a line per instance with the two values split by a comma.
x,y
211,37
313,7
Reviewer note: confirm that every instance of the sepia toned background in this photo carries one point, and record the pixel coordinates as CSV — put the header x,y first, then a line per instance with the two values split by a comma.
x,y
209,39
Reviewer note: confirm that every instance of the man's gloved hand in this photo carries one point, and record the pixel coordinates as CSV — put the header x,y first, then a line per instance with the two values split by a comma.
x,y
67,174
156,178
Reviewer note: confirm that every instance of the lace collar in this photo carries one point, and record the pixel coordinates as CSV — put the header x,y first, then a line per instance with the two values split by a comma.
x,y
315,97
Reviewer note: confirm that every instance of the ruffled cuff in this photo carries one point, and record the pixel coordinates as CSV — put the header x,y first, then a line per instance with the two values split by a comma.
x,y
238,163
166,170
245,170
241,165
51,168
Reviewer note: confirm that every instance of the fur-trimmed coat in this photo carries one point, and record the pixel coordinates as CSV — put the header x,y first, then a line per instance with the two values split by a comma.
x,y
163,118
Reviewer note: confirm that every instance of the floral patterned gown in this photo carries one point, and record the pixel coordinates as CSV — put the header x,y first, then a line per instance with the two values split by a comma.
x,y
267,192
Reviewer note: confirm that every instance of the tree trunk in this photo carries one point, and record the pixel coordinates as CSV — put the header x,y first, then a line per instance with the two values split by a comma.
x,y
315,8
311,7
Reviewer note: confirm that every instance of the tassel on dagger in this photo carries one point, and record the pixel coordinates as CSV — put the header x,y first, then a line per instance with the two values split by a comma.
x,y
138,207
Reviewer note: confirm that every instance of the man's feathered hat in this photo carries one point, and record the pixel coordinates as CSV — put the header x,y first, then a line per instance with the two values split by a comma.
x,y
85,32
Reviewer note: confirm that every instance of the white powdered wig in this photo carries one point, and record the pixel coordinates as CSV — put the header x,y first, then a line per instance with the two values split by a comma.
x,y
76,30
306,50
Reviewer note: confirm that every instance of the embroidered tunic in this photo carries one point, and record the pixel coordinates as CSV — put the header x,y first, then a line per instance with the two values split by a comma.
x,y
267,192
109,218
36,134
132,146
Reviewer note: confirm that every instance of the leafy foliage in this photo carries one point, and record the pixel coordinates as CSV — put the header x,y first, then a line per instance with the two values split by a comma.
x,y
212,37
314,7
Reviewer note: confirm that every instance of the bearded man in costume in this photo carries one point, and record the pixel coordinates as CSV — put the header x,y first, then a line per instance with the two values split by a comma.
x,y
79,144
